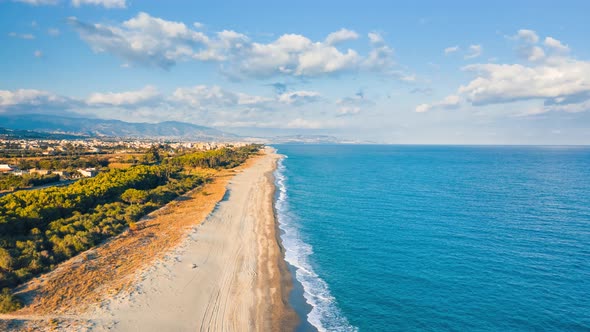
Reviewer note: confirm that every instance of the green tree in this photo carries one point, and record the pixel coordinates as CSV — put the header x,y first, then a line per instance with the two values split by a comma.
x,y
134,196
6,260
8,302
153,155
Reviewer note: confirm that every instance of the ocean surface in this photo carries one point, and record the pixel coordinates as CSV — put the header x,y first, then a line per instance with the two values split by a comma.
x,y
435,238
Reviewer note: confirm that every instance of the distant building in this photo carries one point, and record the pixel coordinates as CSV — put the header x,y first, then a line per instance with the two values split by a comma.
x,y
49,151
5,168
20,172
62,174
88,172
39,171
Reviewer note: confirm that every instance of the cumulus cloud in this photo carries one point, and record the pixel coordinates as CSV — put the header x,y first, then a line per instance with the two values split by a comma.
x,y
292,54
528,36
497,83
199,97
381,55
30,99
341,36
559,82
103,3
555,45
474,52
146,96
144,40
202,96
202,103
527,48
451,49
448,103
152,41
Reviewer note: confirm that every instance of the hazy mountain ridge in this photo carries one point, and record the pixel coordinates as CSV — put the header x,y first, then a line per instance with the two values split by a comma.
x,y
6,133
115,128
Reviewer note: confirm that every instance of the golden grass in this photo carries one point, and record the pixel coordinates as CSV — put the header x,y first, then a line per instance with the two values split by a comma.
x,y
119,165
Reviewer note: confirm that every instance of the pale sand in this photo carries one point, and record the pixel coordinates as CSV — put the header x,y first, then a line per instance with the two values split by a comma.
x,y
228,275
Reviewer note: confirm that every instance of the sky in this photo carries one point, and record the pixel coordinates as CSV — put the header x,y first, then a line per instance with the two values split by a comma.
x,y
402,72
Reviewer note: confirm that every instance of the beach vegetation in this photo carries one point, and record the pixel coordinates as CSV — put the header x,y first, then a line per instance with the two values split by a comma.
x,y
41,228
8,302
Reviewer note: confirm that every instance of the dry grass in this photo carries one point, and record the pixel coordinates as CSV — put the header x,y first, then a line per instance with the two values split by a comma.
x,y
104,271
119,165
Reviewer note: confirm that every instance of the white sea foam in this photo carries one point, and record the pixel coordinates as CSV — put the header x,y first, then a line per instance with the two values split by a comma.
x,y
325,314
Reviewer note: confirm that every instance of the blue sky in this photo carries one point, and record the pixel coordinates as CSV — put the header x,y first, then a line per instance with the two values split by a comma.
x,y
460,72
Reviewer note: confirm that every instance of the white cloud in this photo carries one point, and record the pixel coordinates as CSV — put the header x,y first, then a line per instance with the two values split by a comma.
x,y
353,105
341,36
375,38
380,58
38,2
21,35
527,48
500,83
38,54
535,53
448,103
474,52
204,97
559,82
157,27
152,41
556,45
198,25
528,36
143,39
27,99
103,3
451,49
292,54
299,97
145,96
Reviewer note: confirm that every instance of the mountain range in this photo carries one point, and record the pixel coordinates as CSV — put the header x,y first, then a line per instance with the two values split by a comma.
x,y
112,128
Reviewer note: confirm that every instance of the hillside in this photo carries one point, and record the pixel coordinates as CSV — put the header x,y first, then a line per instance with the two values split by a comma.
x,y
115,128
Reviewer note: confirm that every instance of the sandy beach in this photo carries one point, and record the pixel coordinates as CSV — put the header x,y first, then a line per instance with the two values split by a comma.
x,y
222,271
225,276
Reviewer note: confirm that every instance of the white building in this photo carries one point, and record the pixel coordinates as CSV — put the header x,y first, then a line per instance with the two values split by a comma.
x,y
5,168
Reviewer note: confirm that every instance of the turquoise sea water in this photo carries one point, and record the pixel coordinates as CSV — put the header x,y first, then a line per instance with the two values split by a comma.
x,y
408,238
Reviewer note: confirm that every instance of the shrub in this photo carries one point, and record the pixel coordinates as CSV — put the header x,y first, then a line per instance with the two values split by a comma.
x,y
8,302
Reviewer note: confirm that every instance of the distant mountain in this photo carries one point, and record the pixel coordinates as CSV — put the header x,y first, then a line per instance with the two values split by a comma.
x,y
112,128
30,134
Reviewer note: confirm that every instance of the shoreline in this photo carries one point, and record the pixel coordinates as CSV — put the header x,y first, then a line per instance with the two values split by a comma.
x,y
225,270
292,289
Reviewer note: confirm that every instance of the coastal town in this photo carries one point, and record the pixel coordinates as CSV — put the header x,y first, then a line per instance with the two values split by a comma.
x,y
29,163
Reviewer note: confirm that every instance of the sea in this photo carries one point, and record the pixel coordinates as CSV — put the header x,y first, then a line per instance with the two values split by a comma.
x,y
437,238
